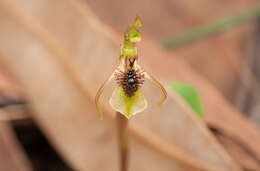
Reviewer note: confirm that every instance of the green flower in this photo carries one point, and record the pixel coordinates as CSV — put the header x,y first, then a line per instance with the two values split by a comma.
x,y
128,98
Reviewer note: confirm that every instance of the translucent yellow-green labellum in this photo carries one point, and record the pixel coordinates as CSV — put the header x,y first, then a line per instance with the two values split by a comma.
x,y
128,106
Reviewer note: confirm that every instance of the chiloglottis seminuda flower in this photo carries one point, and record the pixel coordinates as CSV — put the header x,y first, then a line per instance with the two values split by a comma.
x,y
128,98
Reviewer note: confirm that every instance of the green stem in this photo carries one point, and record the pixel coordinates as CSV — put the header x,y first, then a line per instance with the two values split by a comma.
x,y
122,123
203,31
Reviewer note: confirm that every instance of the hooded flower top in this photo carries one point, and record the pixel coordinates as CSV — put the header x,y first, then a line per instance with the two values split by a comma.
x,y
128,98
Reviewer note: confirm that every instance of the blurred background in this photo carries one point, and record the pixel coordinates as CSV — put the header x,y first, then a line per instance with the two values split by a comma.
x,y
55,54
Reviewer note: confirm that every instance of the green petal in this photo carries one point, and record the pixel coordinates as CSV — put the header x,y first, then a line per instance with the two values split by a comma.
x,y
128,106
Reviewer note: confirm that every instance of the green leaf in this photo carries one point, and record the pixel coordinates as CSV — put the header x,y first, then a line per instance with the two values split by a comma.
x,y
190,95
203,31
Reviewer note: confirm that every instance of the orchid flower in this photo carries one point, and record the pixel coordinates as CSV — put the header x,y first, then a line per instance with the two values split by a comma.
x,y
128,98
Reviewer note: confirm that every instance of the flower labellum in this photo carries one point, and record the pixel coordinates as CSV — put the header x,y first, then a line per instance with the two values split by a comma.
x,y
128,98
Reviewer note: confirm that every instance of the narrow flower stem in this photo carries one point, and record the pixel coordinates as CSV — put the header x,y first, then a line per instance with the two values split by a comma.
x,y
122,140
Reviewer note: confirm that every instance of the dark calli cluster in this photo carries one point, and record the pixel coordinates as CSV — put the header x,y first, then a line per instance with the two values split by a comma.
x,y
130,80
